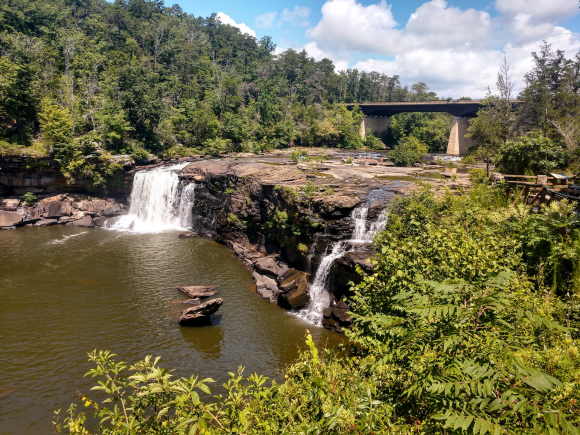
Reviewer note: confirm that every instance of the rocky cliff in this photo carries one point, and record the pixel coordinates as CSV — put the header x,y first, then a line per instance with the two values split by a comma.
x,y
280,217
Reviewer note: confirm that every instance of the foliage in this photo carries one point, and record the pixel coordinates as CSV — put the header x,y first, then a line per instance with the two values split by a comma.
x,y
450,336
430,128
530,154
29,198
460,335
408,151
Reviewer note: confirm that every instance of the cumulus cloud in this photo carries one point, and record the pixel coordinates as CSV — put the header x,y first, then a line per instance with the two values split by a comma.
x,y
348,25
456,51
244,28
539,9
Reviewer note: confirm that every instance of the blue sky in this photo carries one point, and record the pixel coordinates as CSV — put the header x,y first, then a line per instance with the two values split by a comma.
x,y
454,46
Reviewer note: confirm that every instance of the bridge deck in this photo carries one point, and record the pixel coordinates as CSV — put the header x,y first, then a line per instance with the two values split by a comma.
x,y
466,108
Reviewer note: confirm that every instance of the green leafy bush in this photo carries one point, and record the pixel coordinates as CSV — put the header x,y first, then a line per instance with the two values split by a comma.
x,y
530,154
408,151
29,198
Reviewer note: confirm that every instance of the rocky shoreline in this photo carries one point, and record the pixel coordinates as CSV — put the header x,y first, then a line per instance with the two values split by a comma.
x,y
62,209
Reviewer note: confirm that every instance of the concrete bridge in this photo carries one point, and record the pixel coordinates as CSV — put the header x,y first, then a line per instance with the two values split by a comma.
x,y
376,120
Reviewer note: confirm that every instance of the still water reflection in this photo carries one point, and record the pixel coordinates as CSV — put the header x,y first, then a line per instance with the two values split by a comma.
x,y
66,291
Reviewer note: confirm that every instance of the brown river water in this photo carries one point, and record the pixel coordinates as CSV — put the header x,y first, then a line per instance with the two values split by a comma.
x,y
65,291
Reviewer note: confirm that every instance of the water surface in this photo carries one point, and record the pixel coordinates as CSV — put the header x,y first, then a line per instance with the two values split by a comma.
x,y
65,291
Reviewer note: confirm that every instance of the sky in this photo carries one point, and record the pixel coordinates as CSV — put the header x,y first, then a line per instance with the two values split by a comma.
x,y
455,46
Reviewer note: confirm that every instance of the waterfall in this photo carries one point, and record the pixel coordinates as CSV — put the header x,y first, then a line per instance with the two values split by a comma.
x,y
363,233
158,202
319,297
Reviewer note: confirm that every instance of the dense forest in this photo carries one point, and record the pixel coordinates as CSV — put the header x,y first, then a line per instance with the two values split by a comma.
x,y
87,79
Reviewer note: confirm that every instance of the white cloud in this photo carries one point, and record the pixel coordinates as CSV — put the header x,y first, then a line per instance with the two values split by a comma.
x,y
244,28
456,52
297,16
348,25
539,9
266,20
435,24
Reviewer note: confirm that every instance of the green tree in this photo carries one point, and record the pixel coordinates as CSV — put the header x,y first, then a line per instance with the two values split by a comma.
x,y
531,154
408,151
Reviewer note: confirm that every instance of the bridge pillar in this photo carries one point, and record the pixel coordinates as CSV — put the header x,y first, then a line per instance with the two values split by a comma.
x,y
458,143
376,125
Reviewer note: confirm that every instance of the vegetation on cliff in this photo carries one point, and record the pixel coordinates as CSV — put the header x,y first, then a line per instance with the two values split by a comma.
x,y
468,324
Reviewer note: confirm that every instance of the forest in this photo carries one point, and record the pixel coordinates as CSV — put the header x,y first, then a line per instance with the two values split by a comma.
x,y
85,80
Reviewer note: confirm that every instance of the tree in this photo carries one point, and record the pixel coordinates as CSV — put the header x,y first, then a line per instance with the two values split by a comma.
x,y
408,151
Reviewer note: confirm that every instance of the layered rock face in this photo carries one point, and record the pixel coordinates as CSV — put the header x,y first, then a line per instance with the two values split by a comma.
x,y
69,209
280,218
41,176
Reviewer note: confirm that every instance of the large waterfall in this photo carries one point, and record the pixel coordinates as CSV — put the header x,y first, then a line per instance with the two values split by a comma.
x,y
363,233
158,202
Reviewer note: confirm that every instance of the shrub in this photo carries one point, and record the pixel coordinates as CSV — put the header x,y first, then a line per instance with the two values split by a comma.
x,y
530,154
29,198
408,151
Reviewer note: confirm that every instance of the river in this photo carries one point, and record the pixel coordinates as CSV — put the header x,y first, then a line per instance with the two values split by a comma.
x,y
65,291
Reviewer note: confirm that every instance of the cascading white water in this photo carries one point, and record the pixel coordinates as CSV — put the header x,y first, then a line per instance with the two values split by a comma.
x,y
319,297
157,203
363,233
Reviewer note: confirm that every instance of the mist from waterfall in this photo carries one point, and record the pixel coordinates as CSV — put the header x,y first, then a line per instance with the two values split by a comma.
x,y
363,234
158,202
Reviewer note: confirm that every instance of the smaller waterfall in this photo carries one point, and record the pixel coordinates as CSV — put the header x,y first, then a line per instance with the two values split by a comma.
x,y
319,297
158,202
363,233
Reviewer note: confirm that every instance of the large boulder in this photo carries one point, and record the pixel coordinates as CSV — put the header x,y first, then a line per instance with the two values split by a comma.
x,y
197,291
56,206
294,290
200,314
269,266
85,222
9,204
336,317
9,218
266,286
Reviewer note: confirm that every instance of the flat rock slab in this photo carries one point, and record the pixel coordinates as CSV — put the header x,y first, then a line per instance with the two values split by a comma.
x,y
200,314
198,291
9,218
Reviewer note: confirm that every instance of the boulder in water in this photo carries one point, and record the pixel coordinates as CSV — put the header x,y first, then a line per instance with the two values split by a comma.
x,y
198,315
294,286
336,317
186,235
198,291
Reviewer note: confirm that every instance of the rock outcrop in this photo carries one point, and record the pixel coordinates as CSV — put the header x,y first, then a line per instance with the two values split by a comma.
x,y
280,217
199,315
61,209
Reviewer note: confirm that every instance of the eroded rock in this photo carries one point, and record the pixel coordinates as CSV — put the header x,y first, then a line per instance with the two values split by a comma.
x,y
336,317
85,222
294,290
9,218
269,266
266,287
198,315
